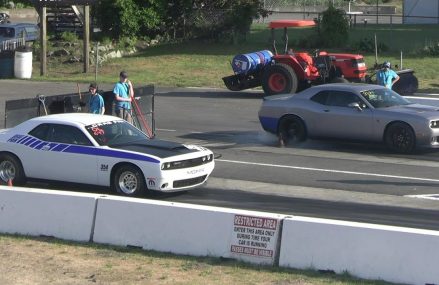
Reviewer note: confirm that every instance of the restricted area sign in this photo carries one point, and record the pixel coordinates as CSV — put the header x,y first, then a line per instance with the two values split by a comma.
x,y
255,236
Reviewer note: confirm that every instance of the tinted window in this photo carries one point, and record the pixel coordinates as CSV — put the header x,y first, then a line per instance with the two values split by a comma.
x,y
320,97
342,99
40,132
60,134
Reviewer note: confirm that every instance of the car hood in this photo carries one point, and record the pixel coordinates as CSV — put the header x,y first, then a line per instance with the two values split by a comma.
x,y
418,109
159,148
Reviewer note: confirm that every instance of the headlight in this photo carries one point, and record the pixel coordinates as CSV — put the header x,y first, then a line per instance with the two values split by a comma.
x,y
434,124
187,163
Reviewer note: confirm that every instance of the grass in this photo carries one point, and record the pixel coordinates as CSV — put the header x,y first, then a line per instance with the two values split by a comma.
x,y
204,63
70,262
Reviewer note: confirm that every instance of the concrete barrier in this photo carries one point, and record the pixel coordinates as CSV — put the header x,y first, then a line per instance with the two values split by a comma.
x,y
63,215
394,254
188,229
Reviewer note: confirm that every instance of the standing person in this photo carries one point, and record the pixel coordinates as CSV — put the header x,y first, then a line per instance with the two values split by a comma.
x,y
96,102
123,92
386,76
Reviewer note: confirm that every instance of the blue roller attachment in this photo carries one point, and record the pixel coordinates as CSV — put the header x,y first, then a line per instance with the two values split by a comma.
x,y
251,62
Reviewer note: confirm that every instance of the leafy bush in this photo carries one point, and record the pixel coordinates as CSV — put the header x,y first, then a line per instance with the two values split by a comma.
x,y
334,27
173,19
69,37
368,45
431,49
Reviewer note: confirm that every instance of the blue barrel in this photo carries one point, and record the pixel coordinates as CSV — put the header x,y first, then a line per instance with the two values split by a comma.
x,y
6,64
251,62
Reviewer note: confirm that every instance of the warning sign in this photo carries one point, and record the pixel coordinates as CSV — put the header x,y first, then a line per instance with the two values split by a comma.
x,y
255,236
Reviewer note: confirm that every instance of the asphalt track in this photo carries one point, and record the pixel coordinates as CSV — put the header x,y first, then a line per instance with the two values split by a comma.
x,y
328,179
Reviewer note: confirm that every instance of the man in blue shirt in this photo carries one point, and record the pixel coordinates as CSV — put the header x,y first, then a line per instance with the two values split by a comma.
x,y
123,92
386,76
96,102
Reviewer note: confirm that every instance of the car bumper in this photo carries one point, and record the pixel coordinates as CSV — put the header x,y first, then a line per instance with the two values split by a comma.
x,y
180,179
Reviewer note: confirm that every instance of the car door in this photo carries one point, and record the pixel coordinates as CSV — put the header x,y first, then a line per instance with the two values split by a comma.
x,y
334,117
61,152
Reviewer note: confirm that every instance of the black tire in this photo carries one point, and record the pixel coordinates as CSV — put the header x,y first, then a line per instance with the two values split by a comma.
x,y
128,180
292,129
400,137
279,79
11,168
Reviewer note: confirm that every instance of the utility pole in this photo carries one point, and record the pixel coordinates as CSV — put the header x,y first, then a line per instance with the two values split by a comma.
x,y
377,11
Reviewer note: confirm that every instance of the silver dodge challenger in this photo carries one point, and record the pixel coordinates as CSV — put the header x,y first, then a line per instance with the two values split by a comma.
x,y
360,112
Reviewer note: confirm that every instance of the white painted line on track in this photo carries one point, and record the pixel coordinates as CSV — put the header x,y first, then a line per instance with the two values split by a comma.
x,y
329,170
423,98
166,130
425,196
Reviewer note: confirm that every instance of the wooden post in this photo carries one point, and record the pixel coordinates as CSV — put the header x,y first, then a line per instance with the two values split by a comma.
x,y
43,41
86,38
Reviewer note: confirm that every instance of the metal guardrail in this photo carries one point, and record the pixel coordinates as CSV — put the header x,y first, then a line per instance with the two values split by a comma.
x,y
356,19
12,44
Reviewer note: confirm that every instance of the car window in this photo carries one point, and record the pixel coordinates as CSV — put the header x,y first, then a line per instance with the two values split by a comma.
x,y
342,99
115,132
67,134
320,97
40,132
61,134
384,97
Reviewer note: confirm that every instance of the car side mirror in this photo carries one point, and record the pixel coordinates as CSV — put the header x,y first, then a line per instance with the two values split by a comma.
x,y
355,105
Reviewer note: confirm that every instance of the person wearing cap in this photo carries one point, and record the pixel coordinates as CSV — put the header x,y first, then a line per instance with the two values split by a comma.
x,y
96,102
386,76
123,92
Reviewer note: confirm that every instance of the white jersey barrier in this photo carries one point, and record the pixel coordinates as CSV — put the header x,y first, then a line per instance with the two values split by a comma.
x,y
394,254
63,215
188,229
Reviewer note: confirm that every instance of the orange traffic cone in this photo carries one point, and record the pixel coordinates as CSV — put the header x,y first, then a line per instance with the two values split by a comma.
x,y
9,182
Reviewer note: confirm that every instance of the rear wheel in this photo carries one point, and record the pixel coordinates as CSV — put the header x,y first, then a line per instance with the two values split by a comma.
x,y
11,168
279,78
292,129
400,138
128,180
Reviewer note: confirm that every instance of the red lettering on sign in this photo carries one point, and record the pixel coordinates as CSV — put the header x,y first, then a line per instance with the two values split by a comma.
x,y
255,222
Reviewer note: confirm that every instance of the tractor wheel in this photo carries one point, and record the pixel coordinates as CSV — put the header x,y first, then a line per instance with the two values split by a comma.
x,y
406,85
279,78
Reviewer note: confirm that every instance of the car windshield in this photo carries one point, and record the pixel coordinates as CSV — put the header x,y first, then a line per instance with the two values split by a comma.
x,y
384,97
115,132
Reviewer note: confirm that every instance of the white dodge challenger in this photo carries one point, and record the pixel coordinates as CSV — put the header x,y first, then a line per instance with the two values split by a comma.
x,y
99,150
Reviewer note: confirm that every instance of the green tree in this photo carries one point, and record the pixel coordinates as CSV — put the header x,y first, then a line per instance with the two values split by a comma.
x,y
334,27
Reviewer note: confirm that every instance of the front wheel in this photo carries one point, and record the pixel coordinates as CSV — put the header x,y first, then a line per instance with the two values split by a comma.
x,y
292,129
11,168
400,138
128,180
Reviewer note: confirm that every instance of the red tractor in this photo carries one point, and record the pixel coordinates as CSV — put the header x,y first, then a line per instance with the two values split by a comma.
x,y
291,71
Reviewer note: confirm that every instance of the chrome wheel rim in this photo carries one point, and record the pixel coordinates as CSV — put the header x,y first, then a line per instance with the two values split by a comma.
x,y
128,182
7,170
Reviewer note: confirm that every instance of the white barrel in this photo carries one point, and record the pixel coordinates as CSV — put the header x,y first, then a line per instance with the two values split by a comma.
x,y
23,64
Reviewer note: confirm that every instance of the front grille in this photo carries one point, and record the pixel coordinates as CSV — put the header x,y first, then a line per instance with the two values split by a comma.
x,y
189,182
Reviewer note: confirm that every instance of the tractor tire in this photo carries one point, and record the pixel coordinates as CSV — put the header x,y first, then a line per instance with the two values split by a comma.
x,y
407,83
279,79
